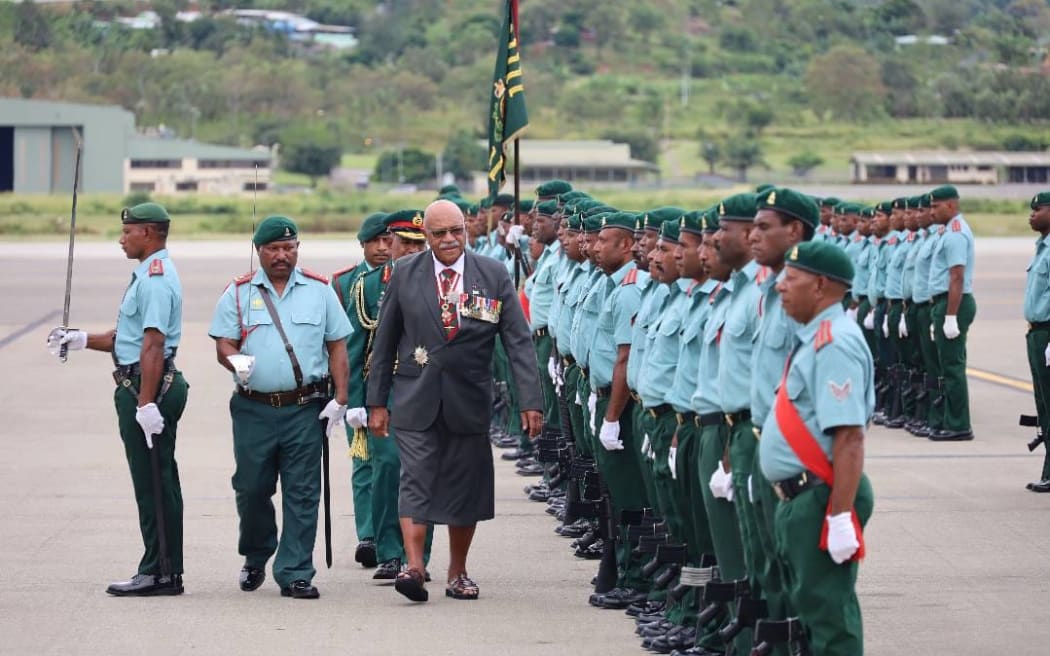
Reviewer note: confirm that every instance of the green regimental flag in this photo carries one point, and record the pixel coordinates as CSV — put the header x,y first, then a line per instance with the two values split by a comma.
x,y
507,115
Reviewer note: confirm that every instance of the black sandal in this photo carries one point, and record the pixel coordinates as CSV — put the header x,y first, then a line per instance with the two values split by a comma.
x,y
462,587
410,583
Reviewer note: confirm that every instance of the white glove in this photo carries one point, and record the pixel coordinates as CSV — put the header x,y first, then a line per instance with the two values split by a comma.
x,y
869,320
750,490
74,339
721,483
334,413
243,366
148,417
357,417
672,461
842,538
592,407
514,233
646,444
886,325
902,328
852,314
933,333
610,436
951,326
1046,354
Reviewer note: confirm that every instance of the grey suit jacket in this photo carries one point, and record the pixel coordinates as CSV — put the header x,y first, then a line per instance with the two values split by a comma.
x,y
457,380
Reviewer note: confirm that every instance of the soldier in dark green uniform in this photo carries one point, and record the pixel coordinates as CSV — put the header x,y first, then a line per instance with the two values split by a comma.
x,y
1037,314
375,242
282,333
405,230
151,393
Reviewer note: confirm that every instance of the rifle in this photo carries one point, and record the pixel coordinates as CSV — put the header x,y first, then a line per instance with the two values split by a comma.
x,y
63,351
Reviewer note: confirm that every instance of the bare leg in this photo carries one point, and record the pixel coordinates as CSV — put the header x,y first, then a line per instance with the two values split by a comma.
x,y
459,539
415,536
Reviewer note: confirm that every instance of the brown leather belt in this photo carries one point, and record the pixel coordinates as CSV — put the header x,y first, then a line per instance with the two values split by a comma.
x,y
790,488
300,396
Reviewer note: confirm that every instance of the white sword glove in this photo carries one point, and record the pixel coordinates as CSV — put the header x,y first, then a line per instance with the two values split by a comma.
x,y
646,443
1046,354
721,483
335,413
842,537
357,417
852,314
74,339
592,407
148,417
902,328
869,320
951,327
514,233
672,461
886,325
609,436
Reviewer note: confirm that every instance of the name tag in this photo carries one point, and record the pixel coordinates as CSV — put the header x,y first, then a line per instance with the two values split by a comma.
x,y
480,308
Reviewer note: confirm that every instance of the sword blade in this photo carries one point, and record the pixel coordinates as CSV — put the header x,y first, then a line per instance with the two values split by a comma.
x,y
63,353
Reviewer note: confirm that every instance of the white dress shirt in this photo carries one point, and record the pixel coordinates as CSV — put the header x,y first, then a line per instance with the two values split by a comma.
x,y
456,266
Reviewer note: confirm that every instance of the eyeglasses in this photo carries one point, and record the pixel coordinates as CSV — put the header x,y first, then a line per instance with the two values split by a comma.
x,y
441,232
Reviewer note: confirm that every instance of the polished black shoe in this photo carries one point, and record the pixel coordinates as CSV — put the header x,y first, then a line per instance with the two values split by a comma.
x,y
541,495
951,436
147,585
923,431
300,590
621,598
506,442
1039,486
896,422
527,461
365,553
515,454
251,578
387,570
878,418
531,470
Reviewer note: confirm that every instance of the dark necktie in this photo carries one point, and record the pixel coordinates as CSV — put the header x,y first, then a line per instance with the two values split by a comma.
x,y
449,311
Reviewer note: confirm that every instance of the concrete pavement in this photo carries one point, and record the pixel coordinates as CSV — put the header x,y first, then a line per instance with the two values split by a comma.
x,y
955,546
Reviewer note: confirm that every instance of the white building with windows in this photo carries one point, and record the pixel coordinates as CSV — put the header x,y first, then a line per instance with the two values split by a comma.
x,y
950,167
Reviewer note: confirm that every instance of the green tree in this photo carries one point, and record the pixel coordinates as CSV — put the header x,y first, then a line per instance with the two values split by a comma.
x,y
742,152
711,151
310,151
410,165
643,144
804,162
847,81
31,26
463,155
607,21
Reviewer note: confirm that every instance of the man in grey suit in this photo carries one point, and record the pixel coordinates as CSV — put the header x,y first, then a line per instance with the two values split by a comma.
x,y
438,324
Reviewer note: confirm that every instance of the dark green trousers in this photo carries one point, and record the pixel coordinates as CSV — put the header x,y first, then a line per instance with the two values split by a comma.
x,y
822,593
138,457
640,419
544,348
501,374
932,366
951,354
572,386
913,361
1037,340
361,487
771,579
269,443
661,430
386,476
900,349
869,335
742,453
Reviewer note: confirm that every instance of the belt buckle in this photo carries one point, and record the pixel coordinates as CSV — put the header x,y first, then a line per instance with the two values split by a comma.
x,y
729,419
652,413
757,431
696,421
302,400
275,399
679,418
779,492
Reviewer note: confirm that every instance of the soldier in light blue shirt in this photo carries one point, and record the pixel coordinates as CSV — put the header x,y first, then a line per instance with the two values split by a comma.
x,y
954,308
1037,313
151,392
572,291
878,262
812,449
539,289
931,416
284,384
898,247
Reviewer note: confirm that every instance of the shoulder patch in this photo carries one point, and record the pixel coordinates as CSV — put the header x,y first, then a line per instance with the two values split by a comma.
x,y
762,274
857,238
342,271
315,276
631,278
911,236
956,226
823,337
387,272
893,241
156,268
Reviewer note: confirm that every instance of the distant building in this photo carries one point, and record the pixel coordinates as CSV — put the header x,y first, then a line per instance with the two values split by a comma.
x,y
597,162
941,167
37,151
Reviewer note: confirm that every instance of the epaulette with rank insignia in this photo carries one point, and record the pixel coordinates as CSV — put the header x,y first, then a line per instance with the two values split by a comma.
x,y
823,337
315,276
342,271
762,274
892,240
956,226
245,279
156,268
631,278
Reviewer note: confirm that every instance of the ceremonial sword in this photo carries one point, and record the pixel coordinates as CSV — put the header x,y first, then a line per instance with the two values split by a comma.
x,y
63,350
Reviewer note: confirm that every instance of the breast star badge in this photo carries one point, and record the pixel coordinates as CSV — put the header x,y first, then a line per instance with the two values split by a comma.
x,y
421,356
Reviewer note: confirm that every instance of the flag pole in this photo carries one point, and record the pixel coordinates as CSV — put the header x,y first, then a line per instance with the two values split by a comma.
x,y
517,202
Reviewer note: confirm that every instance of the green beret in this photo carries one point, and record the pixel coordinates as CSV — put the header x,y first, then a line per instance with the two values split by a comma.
x,y
739,207
852,208
571,195
547,208
763,188
575,224
653,219
914,202
506,200
709,220
790,203
145,213
473,209
867,212
669,231
691,222
275,228
623,220
599,208
372,227
900,203
886,207
830,201
593,224
1040,199
822,258
449,190
553,188
944,192
525,205
485,203
924,201
461,203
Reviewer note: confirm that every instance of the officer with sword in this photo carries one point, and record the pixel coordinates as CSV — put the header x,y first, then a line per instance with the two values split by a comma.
x,y
150,395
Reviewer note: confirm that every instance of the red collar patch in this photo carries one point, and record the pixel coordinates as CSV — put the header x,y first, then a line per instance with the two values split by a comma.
x,y
823,337
156,268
